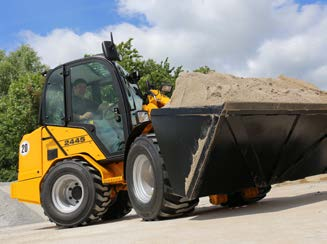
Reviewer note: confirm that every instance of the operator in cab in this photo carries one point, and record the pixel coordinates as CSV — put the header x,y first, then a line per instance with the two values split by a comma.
x,y
83,108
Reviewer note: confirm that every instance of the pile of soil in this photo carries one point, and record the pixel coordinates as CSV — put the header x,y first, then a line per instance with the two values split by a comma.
x,y
197,89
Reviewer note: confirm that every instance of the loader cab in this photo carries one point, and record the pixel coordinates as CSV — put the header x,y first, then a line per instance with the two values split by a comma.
x,y
94,94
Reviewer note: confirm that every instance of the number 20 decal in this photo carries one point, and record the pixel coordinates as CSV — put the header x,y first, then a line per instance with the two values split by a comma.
x,y
24,148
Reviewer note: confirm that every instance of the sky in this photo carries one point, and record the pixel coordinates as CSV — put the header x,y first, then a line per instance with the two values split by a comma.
x,y
261,38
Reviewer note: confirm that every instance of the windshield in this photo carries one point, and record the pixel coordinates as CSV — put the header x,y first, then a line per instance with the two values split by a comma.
x,y
132,91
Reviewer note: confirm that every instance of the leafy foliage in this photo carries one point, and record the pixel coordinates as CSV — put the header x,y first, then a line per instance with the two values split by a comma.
x,y
7,74
8,174
151,71
2,55
21,85
204,69
131,59
25,60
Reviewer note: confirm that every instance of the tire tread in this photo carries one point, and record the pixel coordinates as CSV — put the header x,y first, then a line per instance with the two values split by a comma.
x,y
102,192
173,205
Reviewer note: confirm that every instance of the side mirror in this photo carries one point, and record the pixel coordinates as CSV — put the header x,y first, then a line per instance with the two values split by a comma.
x,y
134,77
110,51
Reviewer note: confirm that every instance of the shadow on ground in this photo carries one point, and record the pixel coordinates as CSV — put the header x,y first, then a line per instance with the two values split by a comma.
x,y
265,206
126,218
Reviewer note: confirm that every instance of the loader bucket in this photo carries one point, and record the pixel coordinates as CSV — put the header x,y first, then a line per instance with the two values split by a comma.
x,y
223,149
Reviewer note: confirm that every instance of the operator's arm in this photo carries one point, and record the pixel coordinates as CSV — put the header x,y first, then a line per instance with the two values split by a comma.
x,y
81,117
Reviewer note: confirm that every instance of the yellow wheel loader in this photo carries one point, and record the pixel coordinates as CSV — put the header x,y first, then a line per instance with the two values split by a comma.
x,y
104,148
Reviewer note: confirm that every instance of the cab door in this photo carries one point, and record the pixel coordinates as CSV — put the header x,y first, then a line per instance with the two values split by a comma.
x,y
95,102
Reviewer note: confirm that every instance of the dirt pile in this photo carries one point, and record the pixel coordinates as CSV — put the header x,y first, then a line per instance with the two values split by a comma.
x,y
197,89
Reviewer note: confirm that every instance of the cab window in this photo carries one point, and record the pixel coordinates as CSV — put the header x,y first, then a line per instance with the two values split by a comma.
x,y
54,99
134,99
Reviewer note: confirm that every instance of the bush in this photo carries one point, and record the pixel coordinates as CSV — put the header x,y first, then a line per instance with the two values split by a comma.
x,y
21,83
9,174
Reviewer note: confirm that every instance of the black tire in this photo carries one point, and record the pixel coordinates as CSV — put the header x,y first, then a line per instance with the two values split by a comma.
x,y
118,208
161,202
72,194
237,200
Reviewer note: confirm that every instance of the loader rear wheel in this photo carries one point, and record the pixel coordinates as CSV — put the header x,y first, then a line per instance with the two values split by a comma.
x,y
148,185
119,208
72,194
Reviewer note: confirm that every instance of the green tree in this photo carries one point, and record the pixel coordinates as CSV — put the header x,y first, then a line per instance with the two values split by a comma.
x,y
23,60
131,59
151,71
204,69
2,55
21,85
7,74
18,116
158,73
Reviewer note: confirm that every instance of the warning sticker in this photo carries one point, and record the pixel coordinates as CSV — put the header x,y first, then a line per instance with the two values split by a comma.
x,y
24,148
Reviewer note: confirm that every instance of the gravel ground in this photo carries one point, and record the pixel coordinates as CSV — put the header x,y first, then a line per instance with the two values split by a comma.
x,y
13,212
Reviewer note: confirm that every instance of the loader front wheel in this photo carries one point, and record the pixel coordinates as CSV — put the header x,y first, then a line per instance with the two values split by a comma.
x,y
148,185
72,194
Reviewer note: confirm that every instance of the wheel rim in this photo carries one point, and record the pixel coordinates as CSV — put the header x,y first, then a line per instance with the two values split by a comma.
x,y
143,178
67,193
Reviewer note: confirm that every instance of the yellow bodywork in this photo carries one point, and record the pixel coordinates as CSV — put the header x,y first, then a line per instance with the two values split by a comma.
x,y
157,100
67,143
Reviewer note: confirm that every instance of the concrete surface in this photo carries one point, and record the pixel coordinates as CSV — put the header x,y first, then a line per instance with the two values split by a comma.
x,y
291,213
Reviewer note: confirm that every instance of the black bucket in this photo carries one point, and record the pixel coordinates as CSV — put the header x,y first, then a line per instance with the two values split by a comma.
x,y
223,149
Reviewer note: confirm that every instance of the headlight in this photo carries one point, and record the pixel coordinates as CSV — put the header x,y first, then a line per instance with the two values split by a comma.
x,y
142,116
